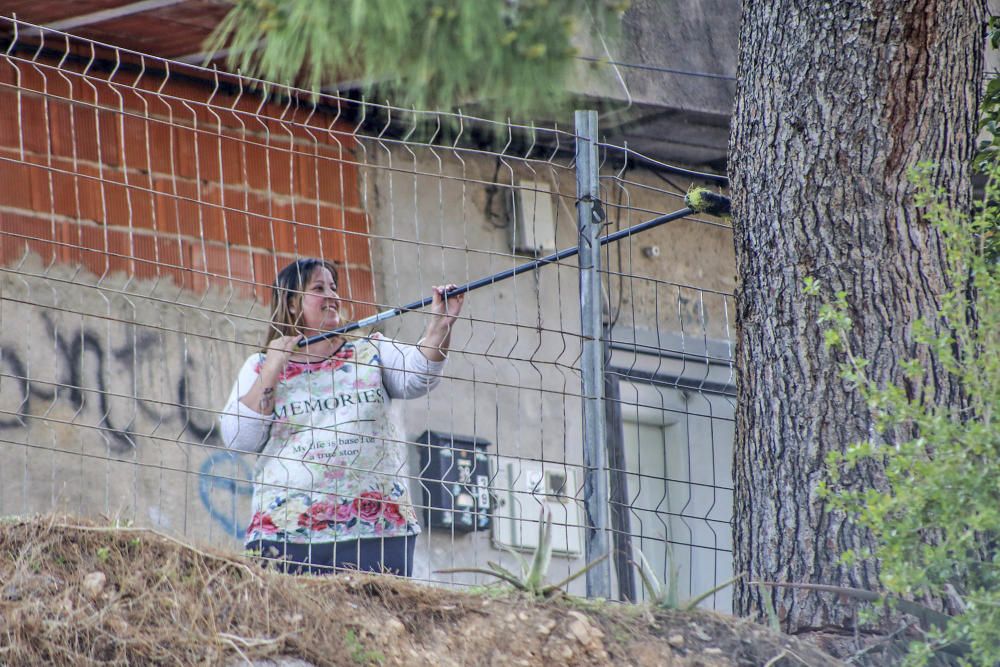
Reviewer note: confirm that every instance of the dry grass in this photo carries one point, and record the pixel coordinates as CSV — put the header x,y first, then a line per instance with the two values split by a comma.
x,y
165,602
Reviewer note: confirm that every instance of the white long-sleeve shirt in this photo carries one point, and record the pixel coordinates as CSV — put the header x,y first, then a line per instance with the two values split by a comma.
x,y
406,373
331,466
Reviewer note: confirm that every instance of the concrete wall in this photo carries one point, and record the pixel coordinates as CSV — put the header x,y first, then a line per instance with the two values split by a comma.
x,y
656,101
109,392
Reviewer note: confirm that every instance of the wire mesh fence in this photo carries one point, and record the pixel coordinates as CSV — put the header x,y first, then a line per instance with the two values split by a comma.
x,y
146,207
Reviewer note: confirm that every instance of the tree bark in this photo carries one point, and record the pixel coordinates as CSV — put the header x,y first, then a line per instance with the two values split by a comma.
x,y
835,103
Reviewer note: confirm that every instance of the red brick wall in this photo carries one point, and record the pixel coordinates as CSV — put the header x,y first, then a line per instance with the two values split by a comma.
x,y
160,178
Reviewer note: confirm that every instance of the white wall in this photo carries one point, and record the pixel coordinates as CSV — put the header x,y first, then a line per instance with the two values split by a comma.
x,y
511,378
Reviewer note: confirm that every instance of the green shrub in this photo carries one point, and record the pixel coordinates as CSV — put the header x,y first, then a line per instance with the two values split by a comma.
x,y
937,526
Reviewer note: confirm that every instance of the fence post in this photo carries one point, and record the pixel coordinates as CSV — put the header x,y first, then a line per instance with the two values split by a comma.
x,y
595,484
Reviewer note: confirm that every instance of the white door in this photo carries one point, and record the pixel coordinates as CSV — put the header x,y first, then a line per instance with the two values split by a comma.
x,y
678,450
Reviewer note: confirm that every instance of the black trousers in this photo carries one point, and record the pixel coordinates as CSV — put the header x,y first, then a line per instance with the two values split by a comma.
x,y
393,555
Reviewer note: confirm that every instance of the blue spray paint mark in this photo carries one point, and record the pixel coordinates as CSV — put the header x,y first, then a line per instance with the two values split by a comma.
x,y
223,487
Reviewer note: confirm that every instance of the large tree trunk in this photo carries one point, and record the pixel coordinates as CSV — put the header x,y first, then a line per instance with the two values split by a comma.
x,y
836,101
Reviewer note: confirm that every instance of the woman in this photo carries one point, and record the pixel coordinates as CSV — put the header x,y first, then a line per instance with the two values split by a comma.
x,y
330,488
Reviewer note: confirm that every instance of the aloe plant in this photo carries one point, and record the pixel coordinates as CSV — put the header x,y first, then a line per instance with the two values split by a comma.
x,y
532,577
661,594
664,594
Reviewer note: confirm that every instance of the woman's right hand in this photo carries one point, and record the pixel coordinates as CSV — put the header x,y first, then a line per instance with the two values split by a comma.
x,y
279,351
260,398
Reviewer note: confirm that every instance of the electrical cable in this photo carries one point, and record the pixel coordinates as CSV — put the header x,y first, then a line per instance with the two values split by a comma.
x,y
657,68
669,168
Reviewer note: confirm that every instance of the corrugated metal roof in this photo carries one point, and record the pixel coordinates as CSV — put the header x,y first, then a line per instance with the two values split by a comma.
x,y
165,28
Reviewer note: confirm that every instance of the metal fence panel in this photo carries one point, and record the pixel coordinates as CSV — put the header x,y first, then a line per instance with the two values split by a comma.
x,y
145,208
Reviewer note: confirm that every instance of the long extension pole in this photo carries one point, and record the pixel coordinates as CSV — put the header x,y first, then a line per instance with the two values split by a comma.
x,y
496,277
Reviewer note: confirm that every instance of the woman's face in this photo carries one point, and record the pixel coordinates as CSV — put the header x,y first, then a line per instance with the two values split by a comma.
x,y
319,304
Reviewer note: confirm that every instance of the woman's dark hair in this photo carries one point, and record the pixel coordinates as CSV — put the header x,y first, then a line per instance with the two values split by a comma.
x,y
286,294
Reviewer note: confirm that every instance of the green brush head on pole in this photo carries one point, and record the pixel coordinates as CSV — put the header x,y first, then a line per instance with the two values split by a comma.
x,y
703,200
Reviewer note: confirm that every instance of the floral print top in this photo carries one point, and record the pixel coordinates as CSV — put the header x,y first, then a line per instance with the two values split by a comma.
x,y
333,464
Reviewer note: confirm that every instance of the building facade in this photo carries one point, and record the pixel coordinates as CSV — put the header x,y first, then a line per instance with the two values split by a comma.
x,y
146,205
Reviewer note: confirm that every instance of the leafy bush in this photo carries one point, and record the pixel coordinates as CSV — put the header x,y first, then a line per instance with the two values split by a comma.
x,y
937,526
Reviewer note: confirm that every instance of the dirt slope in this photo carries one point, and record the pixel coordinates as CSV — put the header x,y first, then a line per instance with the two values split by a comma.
x,y
76,592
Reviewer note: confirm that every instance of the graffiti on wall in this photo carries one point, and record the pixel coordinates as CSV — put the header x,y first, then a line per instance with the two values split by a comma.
x,y
102,382
220,493
72,351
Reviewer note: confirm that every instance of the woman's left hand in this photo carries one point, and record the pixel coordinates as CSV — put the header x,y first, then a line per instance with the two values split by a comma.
x,y
446,307
444,312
